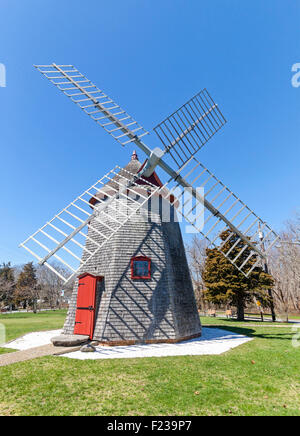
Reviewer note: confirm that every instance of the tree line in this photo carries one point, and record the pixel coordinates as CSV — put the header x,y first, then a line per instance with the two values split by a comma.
x,y
216,281
28,286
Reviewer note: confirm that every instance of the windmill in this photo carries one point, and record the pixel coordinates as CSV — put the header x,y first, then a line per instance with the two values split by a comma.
x,y
75,241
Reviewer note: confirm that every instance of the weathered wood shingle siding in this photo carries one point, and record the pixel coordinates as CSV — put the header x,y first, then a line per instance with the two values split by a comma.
x,y
161,308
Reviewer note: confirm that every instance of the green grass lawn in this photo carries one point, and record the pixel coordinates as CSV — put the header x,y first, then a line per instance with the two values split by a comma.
x,y
261,377
17,324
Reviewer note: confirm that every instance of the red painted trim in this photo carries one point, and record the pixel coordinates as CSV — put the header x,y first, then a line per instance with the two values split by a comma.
x,y
91,275
154,179
143,258
94,200
85,305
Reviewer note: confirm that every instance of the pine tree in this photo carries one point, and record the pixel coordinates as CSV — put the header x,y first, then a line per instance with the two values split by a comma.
x,y
7,284
225,284
27,289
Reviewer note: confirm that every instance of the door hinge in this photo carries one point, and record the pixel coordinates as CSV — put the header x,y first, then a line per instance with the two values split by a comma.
x,y
86,308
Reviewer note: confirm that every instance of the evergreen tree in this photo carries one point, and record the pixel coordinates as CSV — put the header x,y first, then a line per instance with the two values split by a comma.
x,y
27,289
7,284
225,284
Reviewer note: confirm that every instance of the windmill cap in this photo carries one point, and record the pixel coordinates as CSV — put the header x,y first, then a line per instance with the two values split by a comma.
x,y
133,167
134,155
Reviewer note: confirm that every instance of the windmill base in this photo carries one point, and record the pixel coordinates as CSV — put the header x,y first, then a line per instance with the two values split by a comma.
x,y
136,289
149,341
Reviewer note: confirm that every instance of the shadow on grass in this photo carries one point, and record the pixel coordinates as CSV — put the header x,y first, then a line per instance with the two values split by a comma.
x,y
252,333
237,330
249,321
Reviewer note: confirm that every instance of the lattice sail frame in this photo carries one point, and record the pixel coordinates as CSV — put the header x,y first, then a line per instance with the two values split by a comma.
x,y
230,206
70,226
94,102
188,129
183,134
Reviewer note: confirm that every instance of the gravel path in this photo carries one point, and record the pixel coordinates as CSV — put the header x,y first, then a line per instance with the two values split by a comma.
x,y
32,353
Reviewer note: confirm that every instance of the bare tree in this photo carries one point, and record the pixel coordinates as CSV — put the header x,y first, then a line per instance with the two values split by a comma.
x,y
285,266
51,285
7,288
196,252
7,285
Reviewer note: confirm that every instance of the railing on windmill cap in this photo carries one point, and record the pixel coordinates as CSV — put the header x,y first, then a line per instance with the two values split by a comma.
x,y
182,134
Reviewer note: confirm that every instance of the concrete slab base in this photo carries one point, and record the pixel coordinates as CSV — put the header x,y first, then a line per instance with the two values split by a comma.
x,y
212,341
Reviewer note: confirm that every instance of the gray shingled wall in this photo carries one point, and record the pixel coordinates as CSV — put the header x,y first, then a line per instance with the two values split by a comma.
x,y
161,308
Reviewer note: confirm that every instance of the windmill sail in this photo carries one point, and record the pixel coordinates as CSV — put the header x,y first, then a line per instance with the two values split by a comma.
x,y
188,129
183,134
241,243
94,102
71,240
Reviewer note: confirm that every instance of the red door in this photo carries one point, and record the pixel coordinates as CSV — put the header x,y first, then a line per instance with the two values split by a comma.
x,y
85,311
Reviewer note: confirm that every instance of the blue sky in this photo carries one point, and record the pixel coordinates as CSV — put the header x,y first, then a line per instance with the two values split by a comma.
x,y
150,56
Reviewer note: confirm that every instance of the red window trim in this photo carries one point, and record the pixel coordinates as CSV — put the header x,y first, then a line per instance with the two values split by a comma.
x,y
144,258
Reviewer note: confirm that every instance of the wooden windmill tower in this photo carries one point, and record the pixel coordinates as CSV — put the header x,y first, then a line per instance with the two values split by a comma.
x,y
138,286
120,240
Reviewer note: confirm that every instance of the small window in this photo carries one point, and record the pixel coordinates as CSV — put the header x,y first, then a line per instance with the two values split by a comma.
x,y
141,267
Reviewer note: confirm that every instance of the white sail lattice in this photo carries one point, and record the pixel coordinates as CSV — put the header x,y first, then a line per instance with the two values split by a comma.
x,y
183,134
187,130
239,215
64,237
94,102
